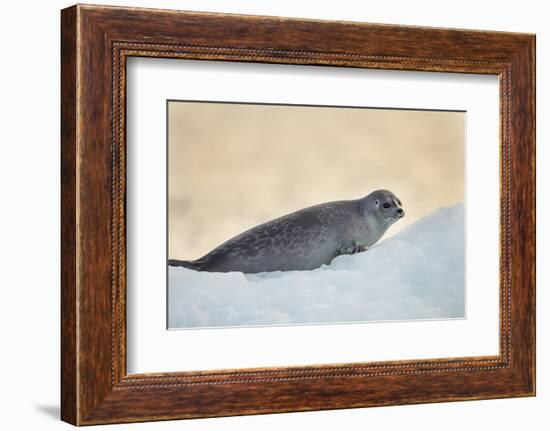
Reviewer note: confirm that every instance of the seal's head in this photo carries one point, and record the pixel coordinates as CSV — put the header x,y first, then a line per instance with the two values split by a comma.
x,y
384,206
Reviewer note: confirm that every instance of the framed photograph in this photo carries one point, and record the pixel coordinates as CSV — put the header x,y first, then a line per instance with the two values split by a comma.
x,y
264,214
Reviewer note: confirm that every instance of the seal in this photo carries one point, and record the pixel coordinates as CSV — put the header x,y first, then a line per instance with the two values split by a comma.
x,y
305,239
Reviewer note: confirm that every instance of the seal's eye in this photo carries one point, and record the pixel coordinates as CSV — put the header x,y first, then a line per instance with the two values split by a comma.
x,y
386,205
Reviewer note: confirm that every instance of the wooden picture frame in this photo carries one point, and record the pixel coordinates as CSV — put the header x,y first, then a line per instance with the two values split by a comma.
x,y
95,43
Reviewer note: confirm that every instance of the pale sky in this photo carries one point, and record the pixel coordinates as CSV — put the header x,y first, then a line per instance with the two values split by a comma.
x,y
233,166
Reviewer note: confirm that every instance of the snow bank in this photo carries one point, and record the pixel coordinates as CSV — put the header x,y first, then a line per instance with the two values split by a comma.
x,y
416,274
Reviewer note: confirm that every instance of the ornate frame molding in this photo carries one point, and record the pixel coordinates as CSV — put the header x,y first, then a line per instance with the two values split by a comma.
x,y
96,41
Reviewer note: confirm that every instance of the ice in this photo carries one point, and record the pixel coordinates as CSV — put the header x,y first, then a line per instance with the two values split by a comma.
x,y
416,274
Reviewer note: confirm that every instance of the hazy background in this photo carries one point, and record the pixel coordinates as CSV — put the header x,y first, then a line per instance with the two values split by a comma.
x,y
233,166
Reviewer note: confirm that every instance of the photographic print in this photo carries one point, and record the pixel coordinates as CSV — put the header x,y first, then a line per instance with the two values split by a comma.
x,y
293,214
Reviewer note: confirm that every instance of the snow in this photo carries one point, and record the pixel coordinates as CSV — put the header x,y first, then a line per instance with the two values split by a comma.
x,y
416,274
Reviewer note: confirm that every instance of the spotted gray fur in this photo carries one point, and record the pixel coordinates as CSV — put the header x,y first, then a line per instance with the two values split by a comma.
x,y
305,239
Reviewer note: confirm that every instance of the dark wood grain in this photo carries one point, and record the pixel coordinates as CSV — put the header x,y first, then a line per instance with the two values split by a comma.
x,y
96,41
69,365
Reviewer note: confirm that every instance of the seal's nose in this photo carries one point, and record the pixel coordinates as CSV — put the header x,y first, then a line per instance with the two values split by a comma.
x,y
400,212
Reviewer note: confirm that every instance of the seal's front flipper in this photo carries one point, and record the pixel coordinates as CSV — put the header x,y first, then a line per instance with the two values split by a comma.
x,y
353,249
360,249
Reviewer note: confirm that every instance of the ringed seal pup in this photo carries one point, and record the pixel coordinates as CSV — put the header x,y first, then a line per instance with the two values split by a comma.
x,y
305,239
